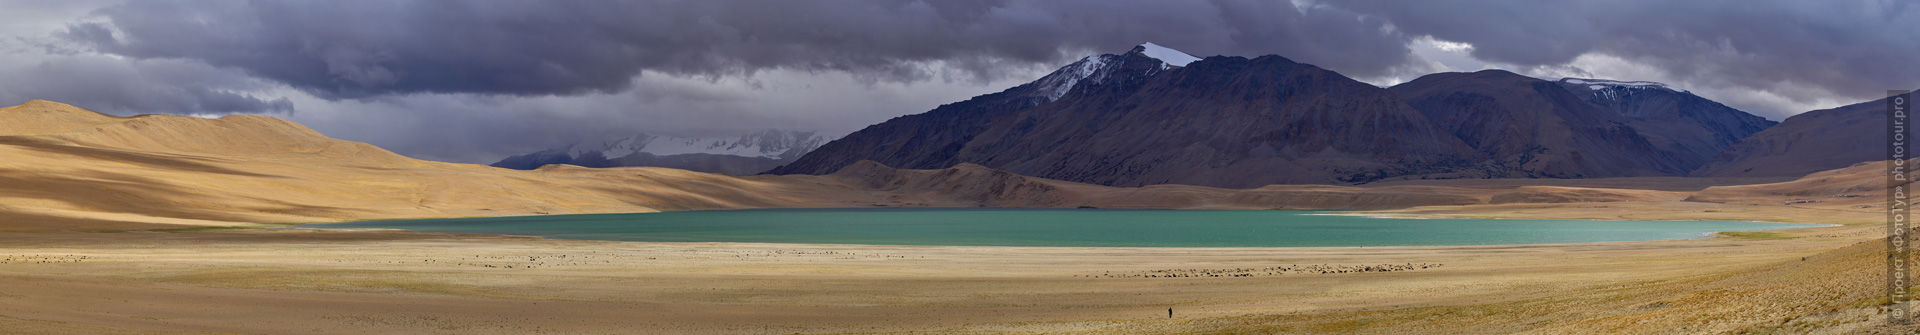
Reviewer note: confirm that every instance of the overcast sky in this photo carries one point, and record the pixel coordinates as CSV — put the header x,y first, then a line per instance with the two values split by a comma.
x,y
473,81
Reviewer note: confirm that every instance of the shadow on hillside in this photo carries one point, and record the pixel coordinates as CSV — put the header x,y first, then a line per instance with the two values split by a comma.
x,y
25,222
120,193
150,160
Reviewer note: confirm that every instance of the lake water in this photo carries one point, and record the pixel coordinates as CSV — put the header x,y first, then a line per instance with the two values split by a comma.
x,y
1065,227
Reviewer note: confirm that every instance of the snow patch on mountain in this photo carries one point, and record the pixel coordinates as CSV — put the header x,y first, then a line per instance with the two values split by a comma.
x,y
1167,55
1088,69
1614,89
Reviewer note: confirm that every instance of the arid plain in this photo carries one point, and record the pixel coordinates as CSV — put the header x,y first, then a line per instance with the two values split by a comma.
x,y
169,224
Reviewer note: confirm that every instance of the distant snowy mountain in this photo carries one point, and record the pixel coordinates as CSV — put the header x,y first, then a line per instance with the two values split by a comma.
x,y
740,155
770,143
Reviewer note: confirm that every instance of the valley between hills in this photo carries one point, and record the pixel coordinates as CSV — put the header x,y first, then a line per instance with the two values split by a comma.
x,y
173,224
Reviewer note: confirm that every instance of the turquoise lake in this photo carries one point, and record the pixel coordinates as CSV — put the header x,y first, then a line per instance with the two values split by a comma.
x,y
1065,227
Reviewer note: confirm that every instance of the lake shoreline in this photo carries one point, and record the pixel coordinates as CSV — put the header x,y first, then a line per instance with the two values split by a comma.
x,y
1068,228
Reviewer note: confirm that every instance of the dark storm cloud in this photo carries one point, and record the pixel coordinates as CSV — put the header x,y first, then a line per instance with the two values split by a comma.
x,y
35,66
360,48
117,86
1856,48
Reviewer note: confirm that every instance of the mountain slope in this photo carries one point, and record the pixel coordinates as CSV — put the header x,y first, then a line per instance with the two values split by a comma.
x,y
1577,128
1808,142
1131,119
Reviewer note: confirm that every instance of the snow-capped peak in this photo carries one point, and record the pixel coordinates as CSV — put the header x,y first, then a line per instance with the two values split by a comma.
x,y
1095,69
1166,55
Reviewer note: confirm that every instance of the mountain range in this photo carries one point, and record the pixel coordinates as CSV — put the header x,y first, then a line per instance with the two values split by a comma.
x,y
1154,115
746,154
1131,119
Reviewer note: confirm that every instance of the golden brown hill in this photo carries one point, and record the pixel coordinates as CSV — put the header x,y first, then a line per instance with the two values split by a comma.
x,y
42,117
65,162
250,135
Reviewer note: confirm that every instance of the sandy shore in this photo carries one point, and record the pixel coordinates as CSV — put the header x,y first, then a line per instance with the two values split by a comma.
x,y
280,280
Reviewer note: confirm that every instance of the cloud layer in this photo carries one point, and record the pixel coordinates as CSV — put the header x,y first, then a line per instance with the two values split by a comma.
x,y
1800,50
355,49
140,87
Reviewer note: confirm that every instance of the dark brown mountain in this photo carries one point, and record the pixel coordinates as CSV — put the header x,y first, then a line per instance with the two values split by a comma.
x,y
1131,119
1806,143
1577,128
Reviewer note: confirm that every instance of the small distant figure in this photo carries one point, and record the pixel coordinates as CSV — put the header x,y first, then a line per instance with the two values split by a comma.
x,y
1169,312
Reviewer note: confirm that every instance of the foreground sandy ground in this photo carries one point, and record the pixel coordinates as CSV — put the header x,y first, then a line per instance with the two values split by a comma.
x,y
164,224
298,280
